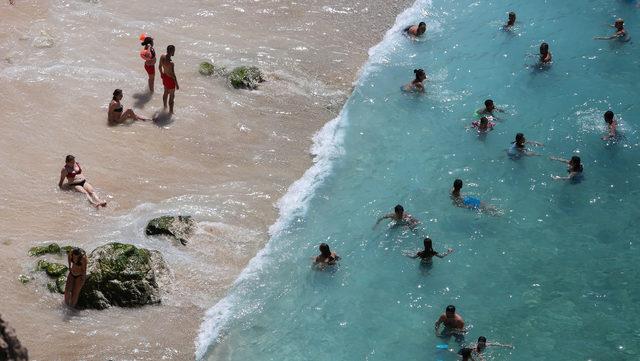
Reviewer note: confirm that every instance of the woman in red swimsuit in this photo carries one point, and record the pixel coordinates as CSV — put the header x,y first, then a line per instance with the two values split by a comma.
x,y
75,180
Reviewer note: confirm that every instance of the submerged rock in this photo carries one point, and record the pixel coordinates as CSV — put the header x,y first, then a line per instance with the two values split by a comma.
x,y
53,269
122,275
53,248
245,77
10,347
24,279
58,285
206,68
178,227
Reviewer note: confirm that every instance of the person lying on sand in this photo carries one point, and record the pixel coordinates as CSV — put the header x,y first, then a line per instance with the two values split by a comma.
x,y
76,180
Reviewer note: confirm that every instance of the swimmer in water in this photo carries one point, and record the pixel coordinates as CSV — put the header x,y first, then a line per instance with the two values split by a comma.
x,y
510,22
489,108
416,30
400,217
466,354
484,125
620,34
76,180
482,344
453,324
77,261
574,168
426,255
416,84
612,126
169,79
116,113
148,54
518,147
545,54
326,257
462,201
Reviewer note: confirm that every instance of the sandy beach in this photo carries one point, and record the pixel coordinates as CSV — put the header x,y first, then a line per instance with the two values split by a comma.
x,y
225,157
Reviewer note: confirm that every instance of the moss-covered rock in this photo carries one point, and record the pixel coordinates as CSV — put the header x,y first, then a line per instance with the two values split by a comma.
x,y
53,269
24,279
122,275
58,285
178,227
244,77
206,68
52,248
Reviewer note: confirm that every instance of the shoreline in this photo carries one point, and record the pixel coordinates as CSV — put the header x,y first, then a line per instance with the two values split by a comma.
x,y
271,143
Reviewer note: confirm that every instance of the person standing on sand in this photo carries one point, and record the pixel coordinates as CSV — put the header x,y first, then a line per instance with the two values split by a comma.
x,y
168,75
73,172
148,54
77,260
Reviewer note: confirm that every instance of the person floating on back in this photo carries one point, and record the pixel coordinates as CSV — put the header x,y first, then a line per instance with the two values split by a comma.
x,y
169,79
400,217
574,168
612,126
545,54
426,255
620,34
510,22
148,54
416,30
77,260
453,325
417,83
326,257
76,180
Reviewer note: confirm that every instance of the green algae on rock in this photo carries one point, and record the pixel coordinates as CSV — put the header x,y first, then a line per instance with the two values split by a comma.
x,y
24,279
178,227
244,77
52,269
206,68
53,248
122,275
58,285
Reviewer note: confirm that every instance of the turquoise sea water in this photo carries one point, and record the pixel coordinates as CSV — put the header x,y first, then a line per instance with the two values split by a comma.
x,y
556,275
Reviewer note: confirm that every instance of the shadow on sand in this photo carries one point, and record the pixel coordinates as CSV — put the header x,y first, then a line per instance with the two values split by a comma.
x,y
141,99
162,118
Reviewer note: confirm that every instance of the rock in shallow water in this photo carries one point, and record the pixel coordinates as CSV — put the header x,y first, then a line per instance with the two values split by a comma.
x,y
40,250
178,227
206,68
122,275
10,347
245,77
53,269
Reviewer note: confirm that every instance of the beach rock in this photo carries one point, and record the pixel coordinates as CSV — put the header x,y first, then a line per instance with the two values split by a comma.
x,y
10,347
206,68
244,77
122,275
178,227
53,248
53,269
24,279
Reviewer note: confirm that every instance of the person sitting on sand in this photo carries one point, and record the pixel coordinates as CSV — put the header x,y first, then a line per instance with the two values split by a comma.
x,y
116,113
466,354
518,147
416,30
417,83
574,168
545,54
489,108
400,217
510,22
620,34
77,260
612,126
453,325
484,125
482,344
426,255
326,257
76,180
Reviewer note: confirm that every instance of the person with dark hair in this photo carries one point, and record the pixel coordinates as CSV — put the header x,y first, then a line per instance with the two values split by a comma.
x,y
545,54
484,125
466,353
427,254
169,79
489,108
326,257
620,34
453,324
518,147
400,217
77,260
416,30
116,113
76,180
148,54
462,201
510,22
482,344
416,84
574,168
612,126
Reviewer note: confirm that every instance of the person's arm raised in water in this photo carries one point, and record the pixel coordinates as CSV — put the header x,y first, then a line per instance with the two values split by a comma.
x,y
438,322
443,255
386,216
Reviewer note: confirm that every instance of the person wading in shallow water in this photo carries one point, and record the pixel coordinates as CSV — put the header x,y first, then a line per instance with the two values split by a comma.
x,y
453,324
75,180
168,75
77,260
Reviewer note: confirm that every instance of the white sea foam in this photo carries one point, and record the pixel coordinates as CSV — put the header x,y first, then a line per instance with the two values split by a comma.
x,y
327,146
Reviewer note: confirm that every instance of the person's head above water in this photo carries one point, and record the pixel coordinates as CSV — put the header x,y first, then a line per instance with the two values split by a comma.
x,y
512,18
147,41
520,140
544,49
457,185
488,104
575,164
420,74
428,244
484,122
117,94
324,249
619,24
398,210
482,343
70,159
608,116
450,311
422,27
465,353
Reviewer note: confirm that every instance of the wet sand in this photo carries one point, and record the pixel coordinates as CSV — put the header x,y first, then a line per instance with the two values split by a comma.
x,y
226,156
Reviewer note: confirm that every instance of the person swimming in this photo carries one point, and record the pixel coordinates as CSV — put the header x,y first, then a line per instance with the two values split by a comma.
x,y
510,22
426,255
545,54
484,125
76,180
574,168
148,54
416,30
482,345
116,113
620,34
326,257
470,202
489,108
453,324
417,83
466,354
518,147
400,217
612,126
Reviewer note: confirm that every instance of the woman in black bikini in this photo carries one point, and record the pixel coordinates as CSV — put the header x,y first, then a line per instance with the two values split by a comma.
x,y
76,180
117,114
77,260
427,254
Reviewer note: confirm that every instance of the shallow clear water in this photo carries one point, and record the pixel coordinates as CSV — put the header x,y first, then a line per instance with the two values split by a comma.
x,y
556,275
